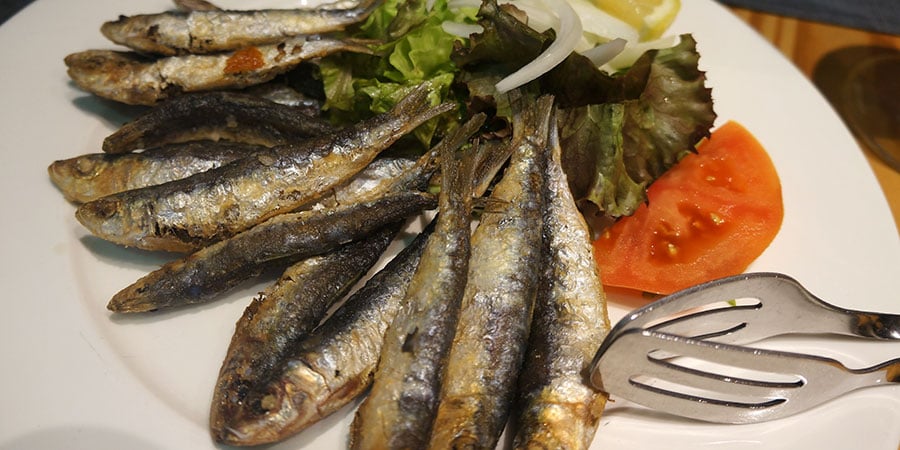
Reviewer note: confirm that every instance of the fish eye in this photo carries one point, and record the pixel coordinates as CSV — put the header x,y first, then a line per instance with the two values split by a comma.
x,y
87,167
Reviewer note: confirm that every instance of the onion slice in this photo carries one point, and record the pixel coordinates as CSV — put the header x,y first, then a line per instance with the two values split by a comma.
x,y
605,52
602,25
568,34
633,51
463,30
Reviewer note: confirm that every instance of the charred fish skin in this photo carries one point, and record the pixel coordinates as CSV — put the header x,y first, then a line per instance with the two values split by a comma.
x,y
94,175
376,179
334,365
213,30
400,407
135,79
281,93
220,115
417,177
282,315
207,273
480,377
186,214
557,406
494,157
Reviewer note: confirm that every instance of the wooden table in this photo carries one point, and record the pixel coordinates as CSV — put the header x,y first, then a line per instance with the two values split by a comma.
x,y
806,44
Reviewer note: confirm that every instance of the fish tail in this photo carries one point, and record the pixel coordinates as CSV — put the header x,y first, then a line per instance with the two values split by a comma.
x,y
421,104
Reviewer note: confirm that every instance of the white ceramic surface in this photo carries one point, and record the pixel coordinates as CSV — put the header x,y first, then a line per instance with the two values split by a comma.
x,y
75,377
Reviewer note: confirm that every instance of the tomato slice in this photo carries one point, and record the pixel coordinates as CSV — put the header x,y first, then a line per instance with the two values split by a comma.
x,y
708,217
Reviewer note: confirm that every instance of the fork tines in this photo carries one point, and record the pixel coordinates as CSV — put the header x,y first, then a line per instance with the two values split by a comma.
x,y
710,381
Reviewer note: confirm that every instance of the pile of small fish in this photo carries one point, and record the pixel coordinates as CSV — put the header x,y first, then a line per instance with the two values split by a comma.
x,y
460,333
204,48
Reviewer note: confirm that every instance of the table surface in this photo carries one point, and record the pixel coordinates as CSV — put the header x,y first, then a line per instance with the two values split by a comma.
x,y
807,43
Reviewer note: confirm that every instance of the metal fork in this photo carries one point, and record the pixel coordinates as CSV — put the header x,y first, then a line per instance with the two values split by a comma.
x,y
678,354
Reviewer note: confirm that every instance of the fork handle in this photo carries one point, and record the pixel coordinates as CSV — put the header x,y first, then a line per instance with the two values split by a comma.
x,y
891,371
828,318
884,373
833,319
882,326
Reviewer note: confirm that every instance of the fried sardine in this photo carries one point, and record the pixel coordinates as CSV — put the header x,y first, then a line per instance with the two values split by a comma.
x,y
208,30
94,175
137,79
399,410
334,364
557,407
186,214
220,115
480,377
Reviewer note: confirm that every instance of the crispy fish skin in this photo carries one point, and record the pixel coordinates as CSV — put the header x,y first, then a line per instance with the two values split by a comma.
x,y
400,407
331,367
94,175
186,214
416,177
480,377
220,115
207,31
281,315
376,179
135,79
336,363
283,94
493,157
557,407
356,209
210,271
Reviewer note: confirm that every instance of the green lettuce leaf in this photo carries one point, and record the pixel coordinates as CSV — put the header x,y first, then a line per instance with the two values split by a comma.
x,y
663,111
412,48
594,159
619,132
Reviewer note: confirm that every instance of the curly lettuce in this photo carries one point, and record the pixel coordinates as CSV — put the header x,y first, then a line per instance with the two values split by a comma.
x,y
411,47
619,131
614,150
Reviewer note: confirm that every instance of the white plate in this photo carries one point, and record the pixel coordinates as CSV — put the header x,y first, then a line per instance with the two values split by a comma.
x,y
75,377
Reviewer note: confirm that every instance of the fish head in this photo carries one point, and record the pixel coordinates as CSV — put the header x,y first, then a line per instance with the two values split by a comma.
x,y
275,413
74,176
106,218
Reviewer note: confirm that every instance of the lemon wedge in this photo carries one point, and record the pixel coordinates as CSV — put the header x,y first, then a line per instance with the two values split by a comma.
x,y
650,17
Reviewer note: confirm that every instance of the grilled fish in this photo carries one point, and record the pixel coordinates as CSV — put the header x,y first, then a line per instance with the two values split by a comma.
x,y
208,31
356,209
558,408
365,187
94,175
400,407
280,92
336,363
480,377
383,175
494,155
136,79
220,115
210,271
187,214
327,369
274,322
